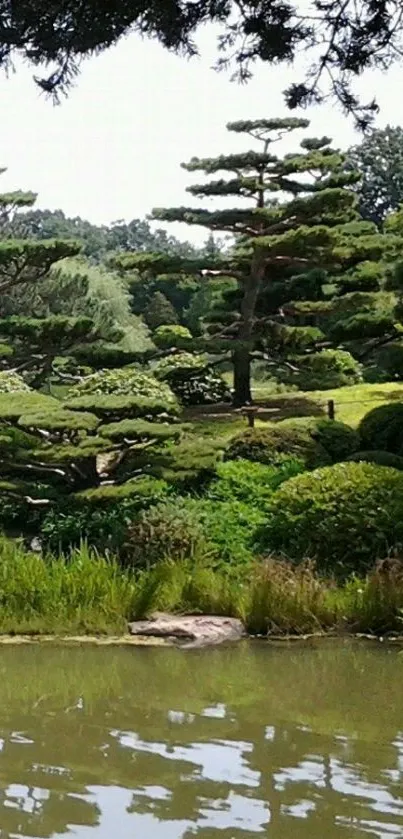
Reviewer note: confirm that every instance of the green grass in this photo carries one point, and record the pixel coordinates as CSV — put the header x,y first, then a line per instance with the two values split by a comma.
x,y
351,403
277,598
83,593
89,594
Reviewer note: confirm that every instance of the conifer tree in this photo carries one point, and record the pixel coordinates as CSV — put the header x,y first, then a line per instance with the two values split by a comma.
x,y
159,311
50,449
300,214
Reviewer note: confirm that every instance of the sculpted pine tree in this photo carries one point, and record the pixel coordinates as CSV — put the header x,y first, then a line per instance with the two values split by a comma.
x,y
314,225
51,448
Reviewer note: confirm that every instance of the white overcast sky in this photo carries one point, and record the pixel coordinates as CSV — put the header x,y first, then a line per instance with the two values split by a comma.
x,y
113,149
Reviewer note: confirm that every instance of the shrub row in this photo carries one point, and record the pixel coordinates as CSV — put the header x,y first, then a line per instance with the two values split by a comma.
x,y
344,512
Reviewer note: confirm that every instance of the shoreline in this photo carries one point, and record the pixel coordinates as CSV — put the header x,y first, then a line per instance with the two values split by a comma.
x,y
153,641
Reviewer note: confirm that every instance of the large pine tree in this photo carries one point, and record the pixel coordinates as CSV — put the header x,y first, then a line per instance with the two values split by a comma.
x,y
300,214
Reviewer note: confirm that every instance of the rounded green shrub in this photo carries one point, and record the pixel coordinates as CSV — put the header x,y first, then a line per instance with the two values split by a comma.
x,y
12,383
382,429
125,381
395,461
345,517
178,361
276,442
326,370
338,439
188,465
192,380
172,335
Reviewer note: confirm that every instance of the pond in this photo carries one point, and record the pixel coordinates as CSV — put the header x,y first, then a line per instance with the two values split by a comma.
x,y
290,741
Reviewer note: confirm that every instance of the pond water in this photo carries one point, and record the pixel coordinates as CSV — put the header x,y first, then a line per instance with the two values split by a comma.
x,y
289,741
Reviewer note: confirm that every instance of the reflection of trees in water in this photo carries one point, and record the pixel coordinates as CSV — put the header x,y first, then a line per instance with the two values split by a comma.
x,y
32,811
271,751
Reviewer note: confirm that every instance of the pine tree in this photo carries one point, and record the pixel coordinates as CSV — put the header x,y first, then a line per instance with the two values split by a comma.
x,y
92,448
159,311
53,449
314,225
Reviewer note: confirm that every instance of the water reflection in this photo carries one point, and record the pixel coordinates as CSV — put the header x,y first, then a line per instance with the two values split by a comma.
x,y
233,743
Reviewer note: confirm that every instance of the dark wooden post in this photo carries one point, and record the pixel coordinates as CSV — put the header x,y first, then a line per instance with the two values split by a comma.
x,y
249,411
251,419
330,409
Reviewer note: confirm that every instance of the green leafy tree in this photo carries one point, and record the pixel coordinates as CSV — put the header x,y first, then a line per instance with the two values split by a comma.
x,y
379,159
97,240
54,304
278,243
74,288
350,36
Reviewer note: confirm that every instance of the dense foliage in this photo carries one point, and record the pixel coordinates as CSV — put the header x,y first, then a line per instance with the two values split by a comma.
x,y
307,287
314,442
382,428
100,362
379,158
344,516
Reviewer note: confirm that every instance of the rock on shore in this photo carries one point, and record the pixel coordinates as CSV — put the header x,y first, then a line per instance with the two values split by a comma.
x,y
192,630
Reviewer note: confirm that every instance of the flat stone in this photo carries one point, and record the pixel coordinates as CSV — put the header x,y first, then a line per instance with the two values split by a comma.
x,y
196,630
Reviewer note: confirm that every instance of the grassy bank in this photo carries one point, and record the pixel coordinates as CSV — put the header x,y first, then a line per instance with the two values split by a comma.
x,y
89,594
351,405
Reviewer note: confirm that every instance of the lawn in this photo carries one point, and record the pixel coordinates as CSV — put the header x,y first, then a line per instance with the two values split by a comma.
x,y
350,403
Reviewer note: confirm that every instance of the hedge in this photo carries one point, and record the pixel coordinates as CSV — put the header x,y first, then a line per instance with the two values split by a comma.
x,y
344,516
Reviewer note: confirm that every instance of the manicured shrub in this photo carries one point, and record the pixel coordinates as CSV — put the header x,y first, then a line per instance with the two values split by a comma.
x,y
326,370
338,439
192,380
178,361
12,383
344,516
125,381
188,465
314,441
395,461
172,335
382,429
276,442
249,482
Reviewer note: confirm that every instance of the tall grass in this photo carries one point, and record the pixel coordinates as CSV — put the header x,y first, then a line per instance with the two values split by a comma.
x,y
81,593
86,593
275,597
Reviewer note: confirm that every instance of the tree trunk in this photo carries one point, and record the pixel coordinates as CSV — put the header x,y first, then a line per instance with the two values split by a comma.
x,y
242,391
241,356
